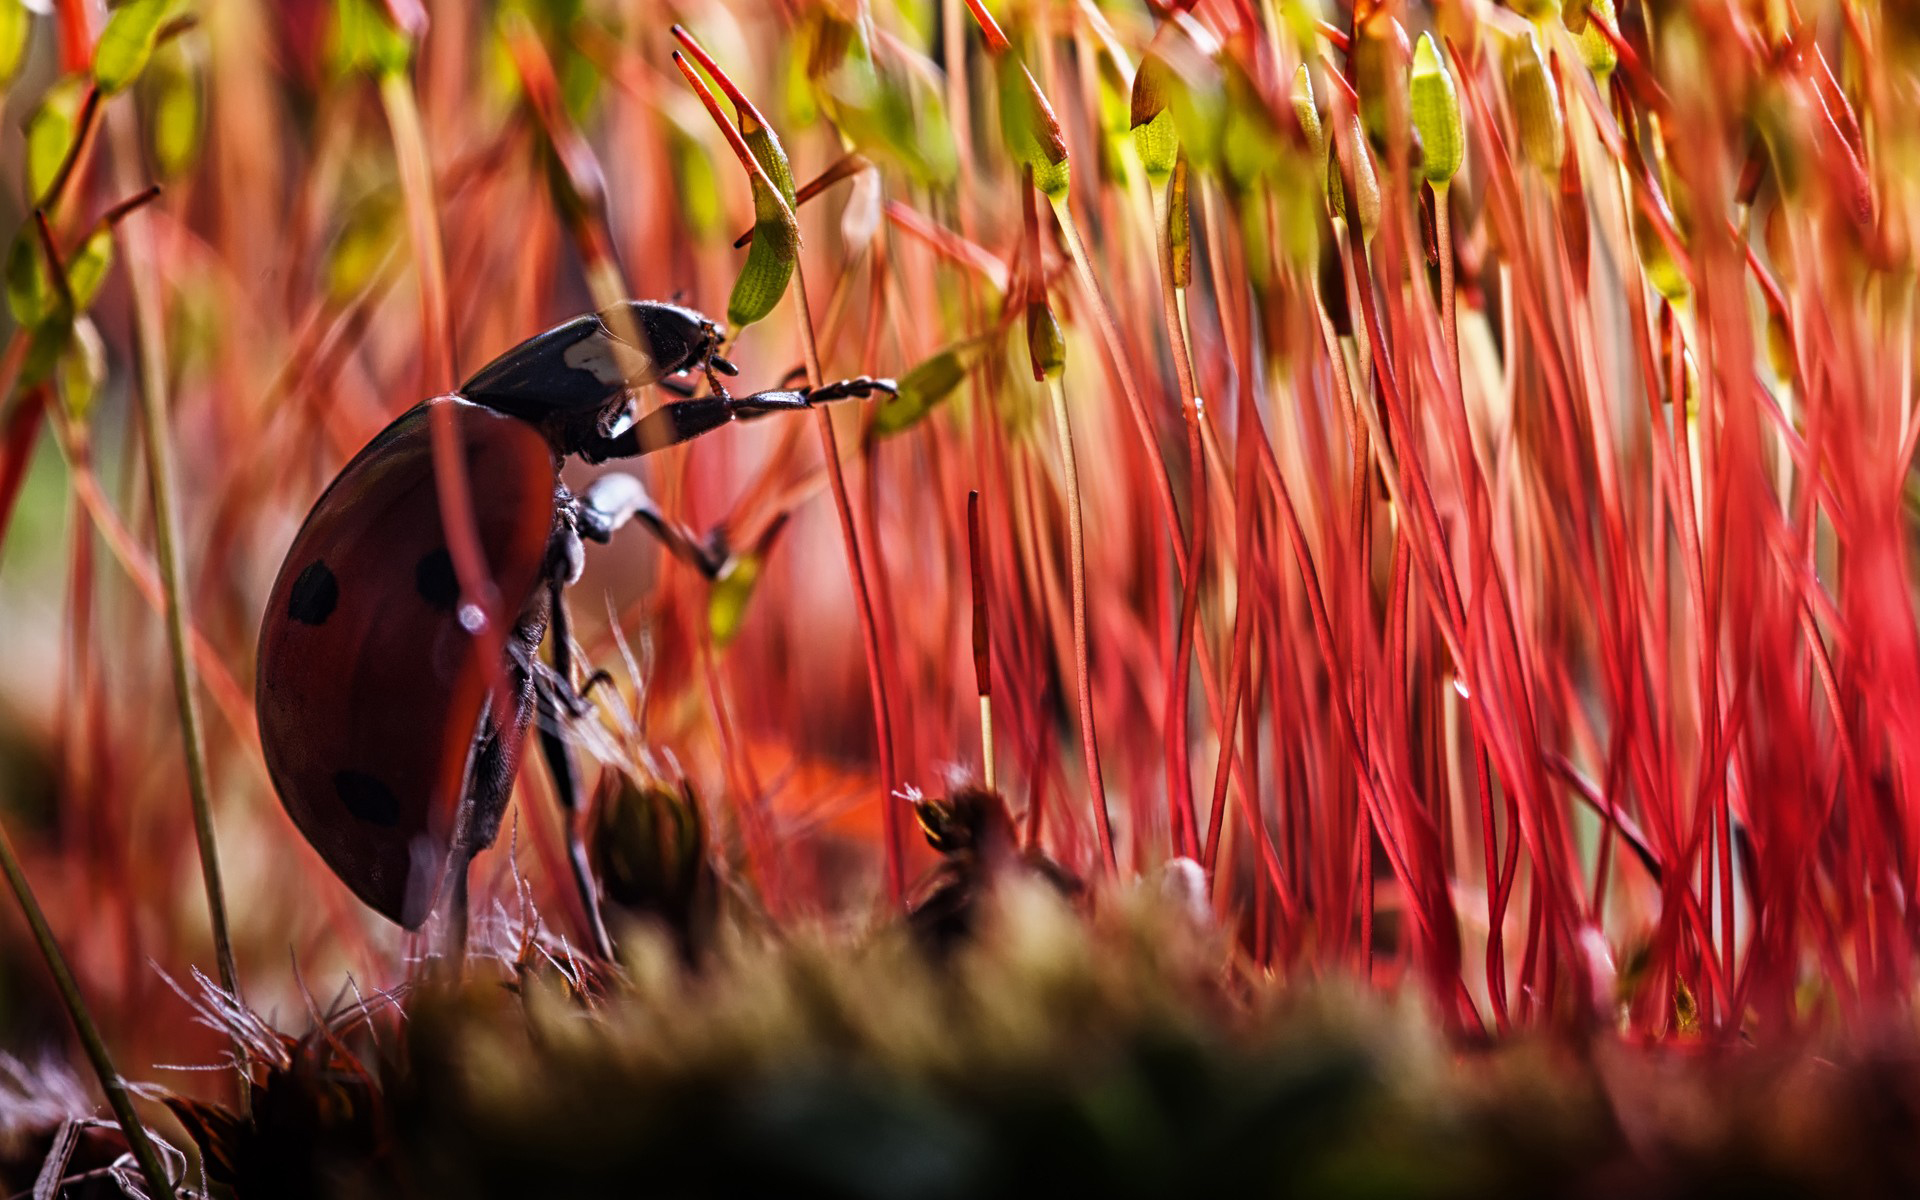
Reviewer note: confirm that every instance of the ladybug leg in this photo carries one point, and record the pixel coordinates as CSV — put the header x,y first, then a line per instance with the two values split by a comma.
x,y
683,420
615,498
492,764
557,700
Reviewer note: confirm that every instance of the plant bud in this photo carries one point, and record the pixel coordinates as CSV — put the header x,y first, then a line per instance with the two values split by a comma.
x,y
1155,136
1032,131
1596,51
1656,259
1536,103
1364,213
1379,50
1046,345
1436,114
770,260
649,850
1305,111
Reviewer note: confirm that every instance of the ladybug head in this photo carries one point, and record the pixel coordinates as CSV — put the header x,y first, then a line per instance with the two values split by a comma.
x,y
577,379
675,338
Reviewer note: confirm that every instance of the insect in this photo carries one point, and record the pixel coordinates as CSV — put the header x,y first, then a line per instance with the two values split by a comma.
x,y
381,717
974,834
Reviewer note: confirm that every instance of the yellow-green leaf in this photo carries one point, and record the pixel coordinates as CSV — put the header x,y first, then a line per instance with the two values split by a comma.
x,y
884,97
49,342
364,242
366,39
1250,145
87,268
29,295
173,109
727,601
127,43
926,386
82,369
50,132
16,23
1656,259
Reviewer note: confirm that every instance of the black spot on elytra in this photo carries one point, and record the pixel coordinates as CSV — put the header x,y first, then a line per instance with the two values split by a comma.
x,y
314,595
434,579
367,798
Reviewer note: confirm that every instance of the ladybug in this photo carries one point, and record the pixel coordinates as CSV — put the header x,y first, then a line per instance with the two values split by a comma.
x,y
379,713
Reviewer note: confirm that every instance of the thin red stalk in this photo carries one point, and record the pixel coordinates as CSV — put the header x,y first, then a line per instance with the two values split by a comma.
x,y
877,668
1180,812
452,488
1076,533
982,639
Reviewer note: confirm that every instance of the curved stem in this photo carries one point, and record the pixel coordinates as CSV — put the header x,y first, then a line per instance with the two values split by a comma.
x,y
144,1152
1179,776
150,340
863,599
1110,334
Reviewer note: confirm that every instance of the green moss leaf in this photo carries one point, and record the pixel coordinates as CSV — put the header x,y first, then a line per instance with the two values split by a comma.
x,y
29,295
88,266
927,386
364,242
174,109
16,25
727,602
366,41
127,43
82,369
885,98
50,130
1250,146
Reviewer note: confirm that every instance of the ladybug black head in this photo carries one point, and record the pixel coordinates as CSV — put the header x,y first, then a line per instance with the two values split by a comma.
x,y
676,338
579,377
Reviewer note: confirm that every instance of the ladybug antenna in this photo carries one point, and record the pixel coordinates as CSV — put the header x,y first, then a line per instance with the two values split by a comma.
x,y
720,364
